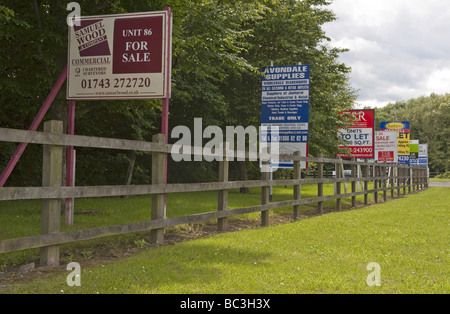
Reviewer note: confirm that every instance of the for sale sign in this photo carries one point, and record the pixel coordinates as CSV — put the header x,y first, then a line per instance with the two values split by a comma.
x,y
386,147
119,57
359,137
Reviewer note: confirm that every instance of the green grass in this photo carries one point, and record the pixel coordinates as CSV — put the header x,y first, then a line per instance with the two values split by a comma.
x,y
407,237
22,218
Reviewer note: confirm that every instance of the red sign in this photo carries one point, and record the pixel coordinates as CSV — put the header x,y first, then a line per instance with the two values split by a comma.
x,y
137,45
386,156
359,137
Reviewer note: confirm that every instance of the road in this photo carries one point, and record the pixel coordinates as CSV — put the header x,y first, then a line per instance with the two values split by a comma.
x,y
441,184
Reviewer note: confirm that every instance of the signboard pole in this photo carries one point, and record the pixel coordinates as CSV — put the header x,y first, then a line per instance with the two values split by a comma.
x,y
165,101
122,56
70,161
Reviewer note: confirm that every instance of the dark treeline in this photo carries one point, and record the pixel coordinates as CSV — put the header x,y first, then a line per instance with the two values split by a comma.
x,y
219,49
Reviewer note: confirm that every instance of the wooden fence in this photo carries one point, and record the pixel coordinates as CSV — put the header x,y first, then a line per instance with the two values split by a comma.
x,y
385,177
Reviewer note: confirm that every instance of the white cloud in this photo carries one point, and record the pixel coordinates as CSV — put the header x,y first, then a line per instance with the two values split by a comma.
x,y
398,48
439,81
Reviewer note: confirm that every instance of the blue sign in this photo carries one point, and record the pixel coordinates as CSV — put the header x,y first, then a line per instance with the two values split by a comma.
x,y
285,105
285,102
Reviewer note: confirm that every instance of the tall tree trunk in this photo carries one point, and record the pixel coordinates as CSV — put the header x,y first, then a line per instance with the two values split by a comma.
x,y
130,170
243,175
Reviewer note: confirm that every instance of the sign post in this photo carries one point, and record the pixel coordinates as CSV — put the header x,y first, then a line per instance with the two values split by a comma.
x,y
121,56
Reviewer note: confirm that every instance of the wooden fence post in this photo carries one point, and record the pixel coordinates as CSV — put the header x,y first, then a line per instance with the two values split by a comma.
x,y
223,194
420,178
366,185
375,181
409,178
320,185
422,186
265,176
423,178
339,174
392,179
385,181
158,174
397,180
405,179
51,209
297,187
354,176
419,187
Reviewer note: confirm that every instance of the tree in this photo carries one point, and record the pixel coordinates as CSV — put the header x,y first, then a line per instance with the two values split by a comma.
x,y
219,49
429,118
286,33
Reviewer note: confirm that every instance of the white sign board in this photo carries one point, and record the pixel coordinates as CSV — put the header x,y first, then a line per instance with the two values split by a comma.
x,y
121,56
386,146
423,155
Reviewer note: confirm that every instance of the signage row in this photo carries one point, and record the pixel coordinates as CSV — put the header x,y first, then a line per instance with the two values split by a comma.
x,y
285,95
391,144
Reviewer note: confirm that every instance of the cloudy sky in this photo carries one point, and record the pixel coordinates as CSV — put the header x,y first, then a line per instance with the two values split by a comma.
x,y
399,49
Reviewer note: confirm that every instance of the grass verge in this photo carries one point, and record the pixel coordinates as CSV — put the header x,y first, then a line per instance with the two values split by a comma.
x,y
407,237
22,218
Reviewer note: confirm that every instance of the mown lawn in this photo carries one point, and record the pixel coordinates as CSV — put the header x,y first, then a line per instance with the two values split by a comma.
x,y
22,218
407,237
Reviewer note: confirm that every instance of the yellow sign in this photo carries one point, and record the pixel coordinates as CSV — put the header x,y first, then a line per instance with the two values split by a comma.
x,y
403,143
403,130
395,126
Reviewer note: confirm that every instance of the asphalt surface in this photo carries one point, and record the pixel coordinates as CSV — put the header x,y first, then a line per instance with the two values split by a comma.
x,y
440,184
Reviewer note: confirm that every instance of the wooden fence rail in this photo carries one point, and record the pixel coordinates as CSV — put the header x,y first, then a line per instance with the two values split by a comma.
x,y
385,178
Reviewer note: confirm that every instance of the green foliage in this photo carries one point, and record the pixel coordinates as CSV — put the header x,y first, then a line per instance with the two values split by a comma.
x,y
219,49
445,175
430,124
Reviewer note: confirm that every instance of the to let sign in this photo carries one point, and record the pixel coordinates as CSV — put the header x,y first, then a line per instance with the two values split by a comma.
x,y
359,137
119,57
